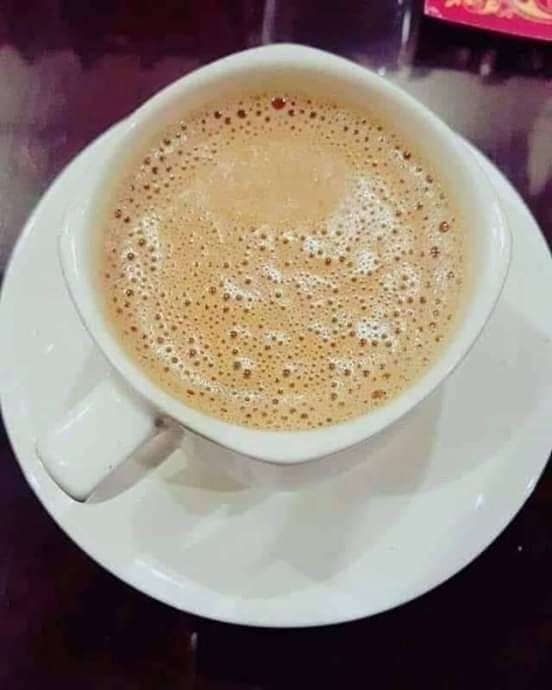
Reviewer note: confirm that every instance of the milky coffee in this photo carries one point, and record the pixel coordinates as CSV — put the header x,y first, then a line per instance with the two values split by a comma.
x,y
281,262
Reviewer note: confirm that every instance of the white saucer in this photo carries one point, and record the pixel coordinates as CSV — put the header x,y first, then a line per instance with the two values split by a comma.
x,y
376,532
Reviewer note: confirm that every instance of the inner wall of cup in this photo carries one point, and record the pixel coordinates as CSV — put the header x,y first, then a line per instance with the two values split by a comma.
x,y
322,75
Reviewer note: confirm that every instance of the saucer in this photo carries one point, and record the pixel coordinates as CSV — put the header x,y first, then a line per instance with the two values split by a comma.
x,y
343,538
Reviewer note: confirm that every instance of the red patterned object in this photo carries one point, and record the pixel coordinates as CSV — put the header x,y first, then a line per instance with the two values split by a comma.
x,y
530,18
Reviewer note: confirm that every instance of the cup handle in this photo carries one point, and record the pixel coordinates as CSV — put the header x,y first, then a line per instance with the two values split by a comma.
x,y
85,446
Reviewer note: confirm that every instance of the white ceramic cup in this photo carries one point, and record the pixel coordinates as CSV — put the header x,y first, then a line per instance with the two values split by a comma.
x,y
77,452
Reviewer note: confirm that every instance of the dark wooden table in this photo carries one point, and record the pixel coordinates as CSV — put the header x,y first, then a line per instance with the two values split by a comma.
x,y
68,70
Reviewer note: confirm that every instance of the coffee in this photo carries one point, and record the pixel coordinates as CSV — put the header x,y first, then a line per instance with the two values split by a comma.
x,y
282,262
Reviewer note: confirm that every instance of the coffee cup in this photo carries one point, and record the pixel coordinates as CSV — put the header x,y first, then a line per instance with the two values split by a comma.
x,y
79,453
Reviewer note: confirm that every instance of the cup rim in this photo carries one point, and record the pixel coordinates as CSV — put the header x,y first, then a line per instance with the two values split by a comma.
x,y
284,447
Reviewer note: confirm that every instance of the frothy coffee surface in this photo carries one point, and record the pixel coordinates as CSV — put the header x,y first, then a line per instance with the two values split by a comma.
x,y
282,263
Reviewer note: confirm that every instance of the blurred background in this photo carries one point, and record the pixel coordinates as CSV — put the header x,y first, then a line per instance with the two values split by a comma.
x,y
69,69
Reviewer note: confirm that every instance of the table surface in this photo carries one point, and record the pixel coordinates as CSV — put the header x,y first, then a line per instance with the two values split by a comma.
x,y
68,70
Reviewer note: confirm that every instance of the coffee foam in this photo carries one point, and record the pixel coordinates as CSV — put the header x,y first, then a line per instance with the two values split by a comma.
x,y
281,262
